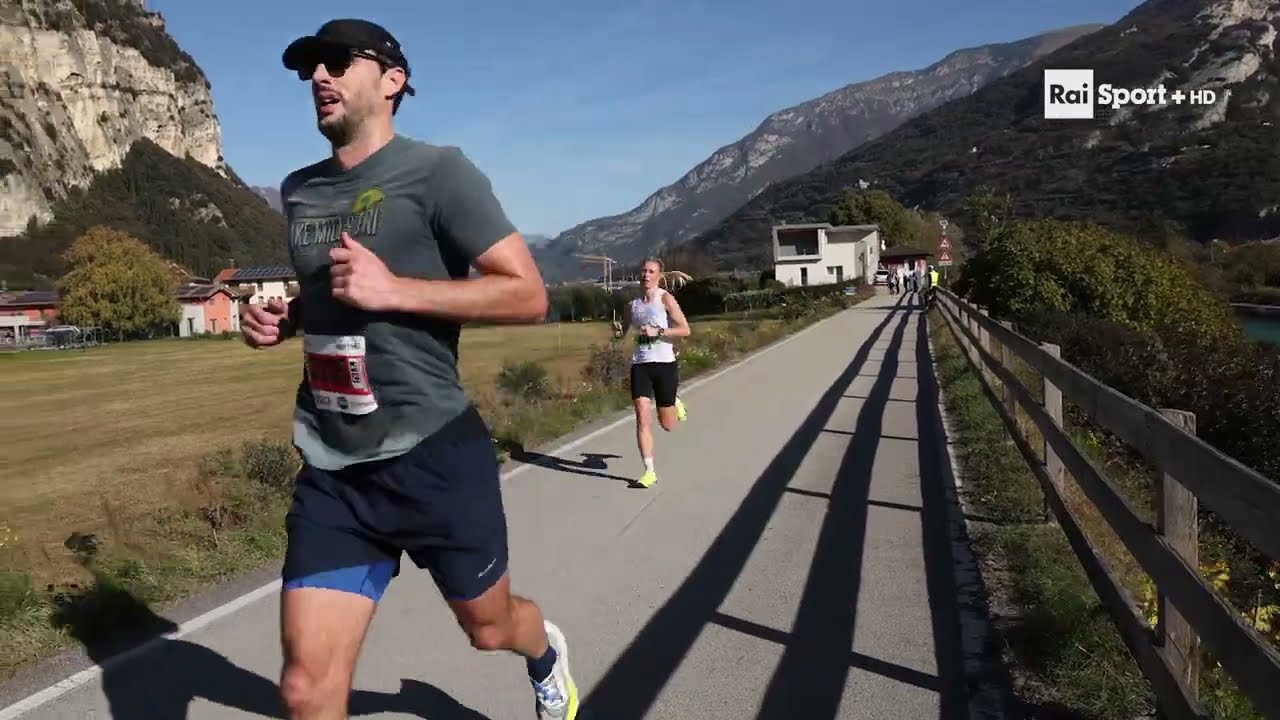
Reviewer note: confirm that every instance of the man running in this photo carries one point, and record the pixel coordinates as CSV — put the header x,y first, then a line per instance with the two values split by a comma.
x,y
654,370
396,459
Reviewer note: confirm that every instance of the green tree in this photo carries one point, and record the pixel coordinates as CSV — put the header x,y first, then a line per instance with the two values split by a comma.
x,y
898,225
987,214
118,283
1027,267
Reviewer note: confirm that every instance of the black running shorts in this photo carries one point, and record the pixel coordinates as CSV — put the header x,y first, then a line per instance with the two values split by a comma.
x,y
657,380
440,503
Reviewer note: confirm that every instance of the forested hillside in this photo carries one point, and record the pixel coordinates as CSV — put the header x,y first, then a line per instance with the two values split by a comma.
x,y
184,210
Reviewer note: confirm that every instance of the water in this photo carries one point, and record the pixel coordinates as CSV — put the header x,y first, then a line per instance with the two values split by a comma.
x,y
1266,329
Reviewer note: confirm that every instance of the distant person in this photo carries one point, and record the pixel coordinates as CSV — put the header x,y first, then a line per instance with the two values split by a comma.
x,y
655,371
395,457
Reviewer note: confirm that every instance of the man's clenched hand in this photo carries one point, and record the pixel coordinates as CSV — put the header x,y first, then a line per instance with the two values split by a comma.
x,y
358,277
264,325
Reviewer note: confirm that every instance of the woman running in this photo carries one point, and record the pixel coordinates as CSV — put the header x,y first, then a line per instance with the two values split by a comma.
x,y
654,371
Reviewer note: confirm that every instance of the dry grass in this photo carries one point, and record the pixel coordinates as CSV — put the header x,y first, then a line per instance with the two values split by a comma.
x,y
174,455
119,430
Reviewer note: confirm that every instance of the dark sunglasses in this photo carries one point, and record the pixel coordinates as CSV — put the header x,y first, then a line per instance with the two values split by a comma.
x,y
336,61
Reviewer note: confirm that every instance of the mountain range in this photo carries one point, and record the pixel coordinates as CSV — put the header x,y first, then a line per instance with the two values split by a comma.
x,y
1206,171
104,119
790,142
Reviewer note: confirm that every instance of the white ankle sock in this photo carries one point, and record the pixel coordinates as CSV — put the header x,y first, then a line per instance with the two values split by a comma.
x,y
648,464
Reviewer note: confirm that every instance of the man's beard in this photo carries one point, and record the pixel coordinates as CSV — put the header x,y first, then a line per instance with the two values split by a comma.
x,y
341,132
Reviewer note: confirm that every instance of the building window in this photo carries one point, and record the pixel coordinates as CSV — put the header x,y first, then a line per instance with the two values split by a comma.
x,y
804,276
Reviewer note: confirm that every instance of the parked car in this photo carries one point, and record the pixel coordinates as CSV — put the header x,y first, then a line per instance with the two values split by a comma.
x,y
882,277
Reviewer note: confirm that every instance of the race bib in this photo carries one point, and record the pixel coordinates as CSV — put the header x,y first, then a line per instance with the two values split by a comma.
x,y
337,373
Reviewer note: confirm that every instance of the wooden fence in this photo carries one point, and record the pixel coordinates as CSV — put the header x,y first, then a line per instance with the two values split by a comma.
x,y
1190,611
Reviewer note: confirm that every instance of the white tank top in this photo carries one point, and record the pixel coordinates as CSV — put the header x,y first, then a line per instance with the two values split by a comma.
x,y
651,313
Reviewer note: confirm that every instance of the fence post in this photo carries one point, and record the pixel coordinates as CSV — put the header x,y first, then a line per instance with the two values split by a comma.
x,y
984,341
963,316
1006,360
1053,406
1176,519
971,325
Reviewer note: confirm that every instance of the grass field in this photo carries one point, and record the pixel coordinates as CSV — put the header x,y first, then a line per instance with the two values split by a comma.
x,y
119,430
174,456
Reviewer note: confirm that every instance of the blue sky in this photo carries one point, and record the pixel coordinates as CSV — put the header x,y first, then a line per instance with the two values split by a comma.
x,y
582,108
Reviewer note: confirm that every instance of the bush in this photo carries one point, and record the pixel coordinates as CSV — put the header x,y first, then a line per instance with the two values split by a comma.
x,y
607,366
721,343
270,463
752,300
696,358
526,379
17,595
798,306
1051,265
706,296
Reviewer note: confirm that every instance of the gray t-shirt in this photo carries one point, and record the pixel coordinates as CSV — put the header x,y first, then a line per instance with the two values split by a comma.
x,y
375,384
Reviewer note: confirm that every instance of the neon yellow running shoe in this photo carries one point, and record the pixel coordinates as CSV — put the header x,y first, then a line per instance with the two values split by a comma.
x,y
557,696
681,414
648,478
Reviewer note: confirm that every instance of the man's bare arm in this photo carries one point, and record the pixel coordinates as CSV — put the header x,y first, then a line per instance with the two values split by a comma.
x,y
509,289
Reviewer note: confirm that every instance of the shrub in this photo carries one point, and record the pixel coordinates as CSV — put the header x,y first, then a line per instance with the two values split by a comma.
x,y
272,464
798,306
1051,265
607,366
695,358
706,296
17,595
526,379
721,343
752,300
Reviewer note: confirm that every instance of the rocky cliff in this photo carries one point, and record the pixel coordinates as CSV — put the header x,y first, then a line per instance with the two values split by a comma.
x,y
795,140
80,82
1206,171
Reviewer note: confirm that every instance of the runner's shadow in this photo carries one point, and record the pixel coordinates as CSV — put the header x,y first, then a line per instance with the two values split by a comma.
x,y
162,682
588,465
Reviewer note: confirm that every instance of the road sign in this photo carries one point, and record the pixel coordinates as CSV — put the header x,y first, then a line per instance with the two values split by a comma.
x,y
945,260
945,244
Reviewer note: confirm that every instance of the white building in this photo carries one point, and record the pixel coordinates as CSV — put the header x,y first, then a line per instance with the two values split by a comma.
x,y
822,253
257,285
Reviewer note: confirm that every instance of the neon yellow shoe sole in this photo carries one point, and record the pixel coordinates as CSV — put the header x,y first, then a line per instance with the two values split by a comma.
x,y
681,414
647,479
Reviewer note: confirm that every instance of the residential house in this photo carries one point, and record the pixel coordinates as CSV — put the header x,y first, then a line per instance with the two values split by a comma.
x,y
260,284
822,253
25,314
207,308
908,258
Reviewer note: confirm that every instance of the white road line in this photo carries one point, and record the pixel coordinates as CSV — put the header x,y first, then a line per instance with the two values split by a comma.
x,y
68,684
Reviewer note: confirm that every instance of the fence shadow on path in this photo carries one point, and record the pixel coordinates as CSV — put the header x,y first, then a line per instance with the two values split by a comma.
x,y
146,676
810,678
973,681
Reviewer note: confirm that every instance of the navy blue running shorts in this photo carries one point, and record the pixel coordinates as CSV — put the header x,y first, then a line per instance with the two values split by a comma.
x,y
440,503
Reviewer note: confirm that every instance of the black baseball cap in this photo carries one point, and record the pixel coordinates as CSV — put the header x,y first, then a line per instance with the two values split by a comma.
x,y
347,34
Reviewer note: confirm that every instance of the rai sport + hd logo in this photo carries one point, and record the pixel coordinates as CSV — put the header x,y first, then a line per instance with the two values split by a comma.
x,y
1068,94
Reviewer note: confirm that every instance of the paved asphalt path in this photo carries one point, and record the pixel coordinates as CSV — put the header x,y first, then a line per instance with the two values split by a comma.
x,y
796,559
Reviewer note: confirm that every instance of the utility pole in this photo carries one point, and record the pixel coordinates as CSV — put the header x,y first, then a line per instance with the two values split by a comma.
x,y
607,263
